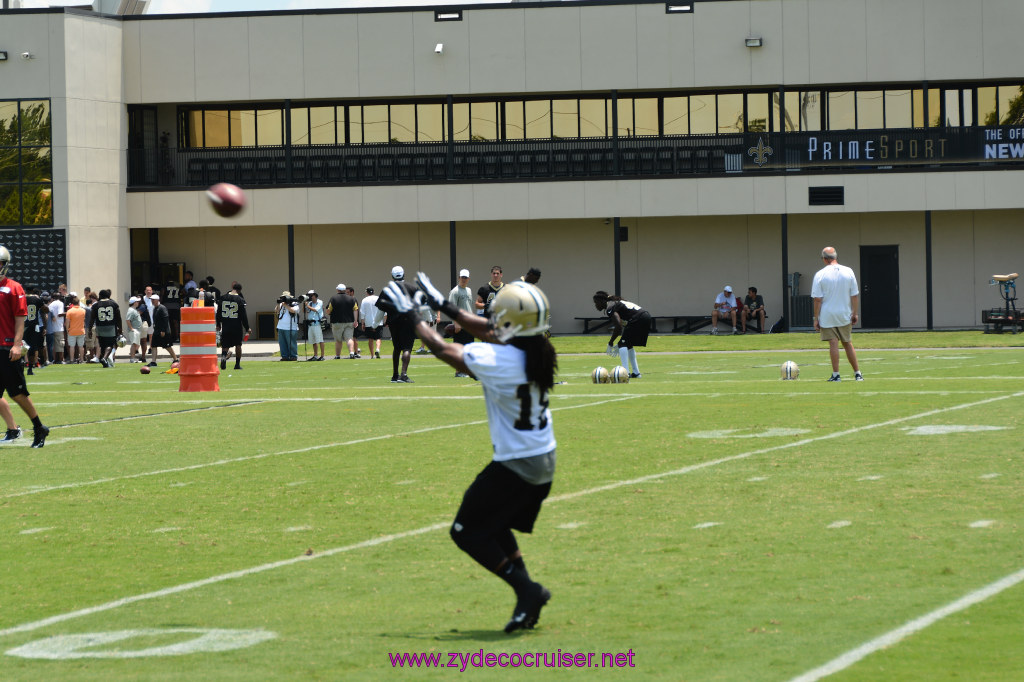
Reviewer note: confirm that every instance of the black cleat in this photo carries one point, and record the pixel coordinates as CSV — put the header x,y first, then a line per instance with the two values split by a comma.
x,y
12,434
224,362
39,436
395,379
527,611
404,379
835,377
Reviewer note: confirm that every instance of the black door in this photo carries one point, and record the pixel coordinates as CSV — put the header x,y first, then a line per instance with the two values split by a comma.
x,y
879,287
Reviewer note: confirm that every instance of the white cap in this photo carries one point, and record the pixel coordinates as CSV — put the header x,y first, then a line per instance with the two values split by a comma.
x,y
398,272
341,287
134,299
310,293
154,297
72,294
463,272
728,288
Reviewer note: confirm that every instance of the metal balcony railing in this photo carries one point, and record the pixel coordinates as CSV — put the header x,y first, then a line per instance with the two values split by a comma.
x,y
524,160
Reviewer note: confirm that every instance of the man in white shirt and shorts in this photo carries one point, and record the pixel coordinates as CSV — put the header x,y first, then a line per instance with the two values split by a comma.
x,y
836,298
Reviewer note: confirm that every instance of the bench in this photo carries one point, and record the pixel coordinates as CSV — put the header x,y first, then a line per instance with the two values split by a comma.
x,y
686,324
591,324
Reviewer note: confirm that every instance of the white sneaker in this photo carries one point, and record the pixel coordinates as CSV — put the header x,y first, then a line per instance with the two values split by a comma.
x,y
714,331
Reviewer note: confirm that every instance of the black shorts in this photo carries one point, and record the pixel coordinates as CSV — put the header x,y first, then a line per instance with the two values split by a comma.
x,y
12,375
498,499
373,332
106,341
35,341
165,341
403,335
635,333
463,337
229,338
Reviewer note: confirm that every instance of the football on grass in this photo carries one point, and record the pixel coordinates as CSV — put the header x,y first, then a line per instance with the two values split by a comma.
x,y
144,369
226,199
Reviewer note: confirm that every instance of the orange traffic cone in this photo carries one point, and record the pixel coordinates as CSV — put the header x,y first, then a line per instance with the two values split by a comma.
x,y
198,369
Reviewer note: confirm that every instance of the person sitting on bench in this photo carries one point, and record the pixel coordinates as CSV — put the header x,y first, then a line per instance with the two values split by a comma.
x,y
753,307
726,306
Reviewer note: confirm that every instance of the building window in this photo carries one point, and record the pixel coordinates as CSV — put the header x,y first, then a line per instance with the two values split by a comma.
x,y
26,167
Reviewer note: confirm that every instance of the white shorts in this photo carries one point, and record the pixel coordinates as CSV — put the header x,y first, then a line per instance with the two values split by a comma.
x,y
315,334
76,341
131,336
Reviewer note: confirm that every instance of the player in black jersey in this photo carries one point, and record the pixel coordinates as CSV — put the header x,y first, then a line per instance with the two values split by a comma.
x,y
34,329
106,317
233,325
630,320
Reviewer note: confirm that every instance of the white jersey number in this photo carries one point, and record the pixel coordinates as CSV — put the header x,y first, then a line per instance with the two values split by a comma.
x,y
526,417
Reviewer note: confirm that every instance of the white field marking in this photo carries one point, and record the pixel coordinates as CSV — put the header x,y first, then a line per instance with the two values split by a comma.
x,y
572,525
34,490
870,478
384,539
707,524
702,373
147,416
25,442
943,429
892,637
181,485
755,479
33,531
984,523
406,482
990,476
296,529
750,433
296,484
168,529
62,647
839,524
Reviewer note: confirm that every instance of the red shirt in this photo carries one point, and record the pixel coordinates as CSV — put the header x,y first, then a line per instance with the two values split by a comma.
x,y
12,305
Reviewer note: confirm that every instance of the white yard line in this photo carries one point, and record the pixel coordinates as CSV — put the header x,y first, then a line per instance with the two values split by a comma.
x,y
60,618
265,455
893,636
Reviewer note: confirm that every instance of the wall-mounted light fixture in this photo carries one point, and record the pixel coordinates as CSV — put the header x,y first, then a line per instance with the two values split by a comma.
x,y
678,8
27,55
439,48
448,15
754,41
3,55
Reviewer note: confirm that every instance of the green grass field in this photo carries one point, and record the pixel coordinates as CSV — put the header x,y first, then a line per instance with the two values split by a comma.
x,y
714,521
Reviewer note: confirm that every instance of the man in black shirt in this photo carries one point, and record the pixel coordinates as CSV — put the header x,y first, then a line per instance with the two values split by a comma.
x,y
233,325
342,310
34,329
161,331
487,292
753,307
403,330
106,317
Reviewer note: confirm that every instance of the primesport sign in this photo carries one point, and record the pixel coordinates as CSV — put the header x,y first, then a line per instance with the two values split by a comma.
x,y
883,148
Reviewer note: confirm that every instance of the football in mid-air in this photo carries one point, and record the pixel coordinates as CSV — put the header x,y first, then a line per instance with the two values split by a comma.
x,y
600,375
226,199
620,375
789,370
144,369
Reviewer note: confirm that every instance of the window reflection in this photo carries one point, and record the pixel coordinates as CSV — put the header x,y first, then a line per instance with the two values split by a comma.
x,y
898,109
677,116
757,112
730,113
565,118
26,166
322,126
842,114
515,127
592,118
35,122
625,114
375,123
538,119
809,107
870,111
460,121
987,106
1011,106
403,122
429,122
702,115
645,116
269,127
484,121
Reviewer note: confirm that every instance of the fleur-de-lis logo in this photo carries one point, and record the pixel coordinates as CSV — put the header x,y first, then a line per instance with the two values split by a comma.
x,y
760,153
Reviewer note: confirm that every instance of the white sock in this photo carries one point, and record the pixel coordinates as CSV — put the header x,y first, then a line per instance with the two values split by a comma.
x,y
624,357
632,361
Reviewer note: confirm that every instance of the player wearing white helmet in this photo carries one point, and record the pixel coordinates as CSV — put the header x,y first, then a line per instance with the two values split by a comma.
x,y
517,371
13,311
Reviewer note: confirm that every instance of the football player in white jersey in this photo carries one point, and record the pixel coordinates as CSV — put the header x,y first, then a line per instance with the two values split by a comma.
x,y
517,371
